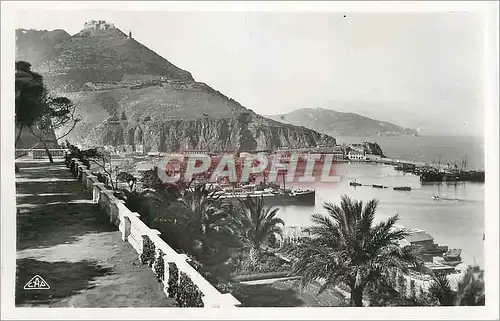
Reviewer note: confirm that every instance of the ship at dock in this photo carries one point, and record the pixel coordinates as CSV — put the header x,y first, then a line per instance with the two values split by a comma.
x,y
436,174
270,195
452,176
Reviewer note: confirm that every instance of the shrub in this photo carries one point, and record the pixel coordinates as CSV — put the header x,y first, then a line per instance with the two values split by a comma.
x,y
101,178
401,284
148,251
412,289
188,295
173,277
195,263
267,264
160,266
224,287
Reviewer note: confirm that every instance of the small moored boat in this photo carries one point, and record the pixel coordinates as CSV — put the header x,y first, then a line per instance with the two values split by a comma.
x,y
402,188
452,257
354,183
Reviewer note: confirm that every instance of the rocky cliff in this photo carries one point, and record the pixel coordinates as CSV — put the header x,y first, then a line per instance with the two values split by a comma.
x,y
172,117
128,95
373,148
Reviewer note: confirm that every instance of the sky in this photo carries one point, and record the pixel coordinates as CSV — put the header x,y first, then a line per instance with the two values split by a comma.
x,y
418,70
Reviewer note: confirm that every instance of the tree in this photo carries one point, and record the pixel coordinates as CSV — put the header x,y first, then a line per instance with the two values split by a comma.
x,y
127,178
471,290
147,203
441,290
209,225
39,111
151,180
346,247
102,158
30,96
260,226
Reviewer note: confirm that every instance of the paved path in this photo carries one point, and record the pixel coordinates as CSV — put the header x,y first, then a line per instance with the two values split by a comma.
x,y
65,238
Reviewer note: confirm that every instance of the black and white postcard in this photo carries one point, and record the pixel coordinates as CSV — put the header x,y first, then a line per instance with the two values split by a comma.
x,y
211,159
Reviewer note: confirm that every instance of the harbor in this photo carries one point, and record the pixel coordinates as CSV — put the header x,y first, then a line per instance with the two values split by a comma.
x,y
397,184
437,172
271,196
458,225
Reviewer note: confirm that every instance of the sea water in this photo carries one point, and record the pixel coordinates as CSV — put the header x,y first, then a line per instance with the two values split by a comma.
x,y
431,149
457,224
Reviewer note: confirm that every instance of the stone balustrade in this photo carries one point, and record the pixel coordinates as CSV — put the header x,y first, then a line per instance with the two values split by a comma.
x,y
56,153
133,231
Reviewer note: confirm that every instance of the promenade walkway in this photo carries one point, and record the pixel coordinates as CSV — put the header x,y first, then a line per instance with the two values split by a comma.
x,y
65,238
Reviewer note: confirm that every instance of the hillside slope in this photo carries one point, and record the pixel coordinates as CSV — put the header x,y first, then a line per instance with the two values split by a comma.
x,y
35,45
336,123
128,95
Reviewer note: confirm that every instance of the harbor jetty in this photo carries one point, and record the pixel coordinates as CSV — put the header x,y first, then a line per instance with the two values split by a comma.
x,y
435,172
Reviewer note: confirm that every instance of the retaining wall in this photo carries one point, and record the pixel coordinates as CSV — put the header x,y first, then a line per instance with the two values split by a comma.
x,y
134,231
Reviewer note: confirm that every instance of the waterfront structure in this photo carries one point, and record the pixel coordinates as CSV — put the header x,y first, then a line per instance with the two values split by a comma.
x,y
338,153
421,239
372,157
356,155
195,152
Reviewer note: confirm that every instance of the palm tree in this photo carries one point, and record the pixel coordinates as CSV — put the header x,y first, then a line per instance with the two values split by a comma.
x,y
260,226
441,290
148,203
209,224
346,247
469,292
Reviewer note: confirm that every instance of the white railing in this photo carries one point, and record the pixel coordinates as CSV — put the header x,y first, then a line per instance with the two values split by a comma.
x,y
133,231
40,153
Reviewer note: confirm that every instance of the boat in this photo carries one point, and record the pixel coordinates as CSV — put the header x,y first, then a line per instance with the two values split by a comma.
x,y
431,176
273,196
402,188
456,174
452,255
438,198
465,176
405,167
378,186
354,183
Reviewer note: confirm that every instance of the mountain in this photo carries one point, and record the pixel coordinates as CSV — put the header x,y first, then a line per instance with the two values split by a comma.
x,y
128,95
31,45
336,123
